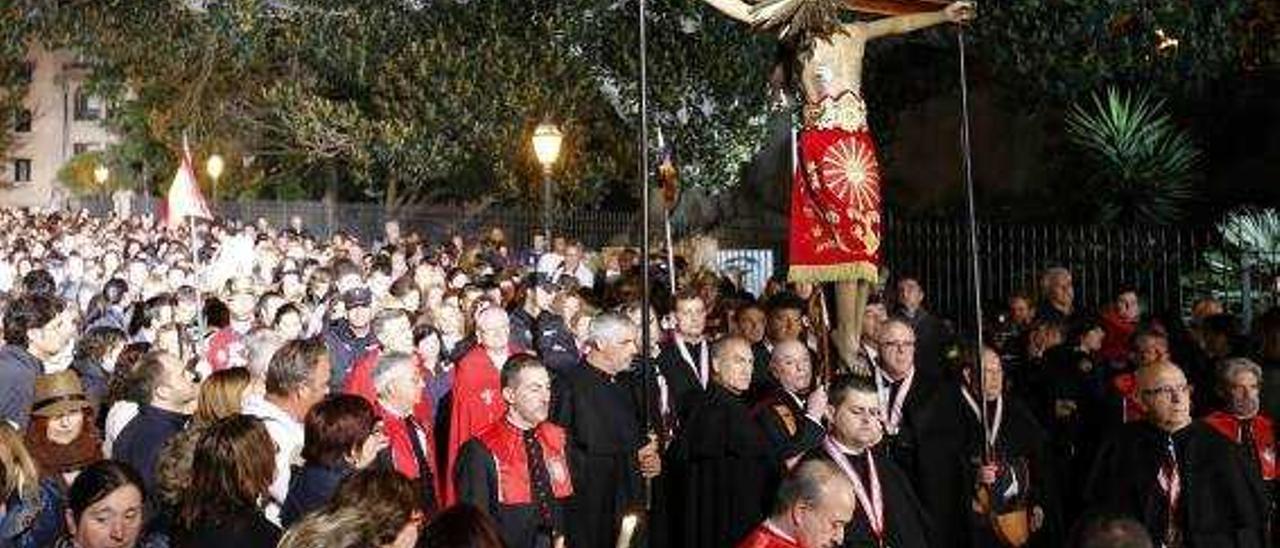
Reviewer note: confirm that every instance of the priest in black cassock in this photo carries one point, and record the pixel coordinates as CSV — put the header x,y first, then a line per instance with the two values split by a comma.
x,y
516,469
1186,484
887,513
685,362
791,413
721,473
609,455
903,388
1010,459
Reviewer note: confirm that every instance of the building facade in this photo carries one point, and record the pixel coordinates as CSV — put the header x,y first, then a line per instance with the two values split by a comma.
x,y
61,119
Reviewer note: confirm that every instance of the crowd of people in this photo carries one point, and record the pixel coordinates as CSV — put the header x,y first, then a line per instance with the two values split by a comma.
x,y
256,386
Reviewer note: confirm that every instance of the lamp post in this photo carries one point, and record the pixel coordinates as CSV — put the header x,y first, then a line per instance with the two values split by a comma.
x,y
100,175
546,146
213,166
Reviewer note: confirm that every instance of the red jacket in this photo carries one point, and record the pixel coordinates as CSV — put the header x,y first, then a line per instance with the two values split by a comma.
x,y
506,444
1115,344
359,381
1264,438
477,403
401,448
765,536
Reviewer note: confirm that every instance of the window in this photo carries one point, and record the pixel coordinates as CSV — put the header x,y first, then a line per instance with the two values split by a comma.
x,y
23,122
22,170
81,148
88,107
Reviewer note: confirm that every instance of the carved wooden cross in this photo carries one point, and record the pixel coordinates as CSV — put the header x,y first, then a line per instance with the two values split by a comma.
x,y
896,7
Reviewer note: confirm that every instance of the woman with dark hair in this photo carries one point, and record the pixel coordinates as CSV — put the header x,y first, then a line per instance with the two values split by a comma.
x,y
61,436
110,313
233,467
406,296
123,396
460,526
152,314
94,358
28,505
342,435
371,508
289,322
105,509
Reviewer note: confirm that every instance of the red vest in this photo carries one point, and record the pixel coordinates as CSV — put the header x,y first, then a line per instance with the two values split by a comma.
x,y
506,444
360,382
1126,385
1264,438
400,444
766,537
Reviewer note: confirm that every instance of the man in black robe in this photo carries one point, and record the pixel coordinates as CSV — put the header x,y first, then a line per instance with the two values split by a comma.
x,y
685,362
888,512
903,389
1184,482
791,414
516,469
1009,460
609,455
721,469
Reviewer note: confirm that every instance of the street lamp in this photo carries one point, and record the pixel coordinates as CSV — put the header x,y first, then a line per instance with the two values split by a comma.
x,y
213,166
546,146
100,175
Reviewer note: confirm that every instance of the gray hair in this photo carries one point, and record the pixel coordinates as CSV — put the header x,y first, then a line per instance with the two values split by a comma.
x,y
1050,274
260,345
609,327
722,346
387,368
293,365
1230,367
808,482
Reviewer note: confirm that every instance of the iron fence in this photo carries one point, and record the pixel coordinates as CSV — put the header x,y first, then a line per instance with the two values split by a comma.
x,y
1171,266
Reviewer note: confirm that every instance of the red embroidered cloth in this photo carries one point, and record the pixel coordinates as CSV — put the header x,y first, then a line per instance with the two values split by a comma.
x,y
835,207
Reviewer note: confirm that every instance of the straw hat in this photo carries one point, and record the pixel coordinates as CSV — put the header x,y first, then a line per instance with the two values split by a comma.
x,y
59,393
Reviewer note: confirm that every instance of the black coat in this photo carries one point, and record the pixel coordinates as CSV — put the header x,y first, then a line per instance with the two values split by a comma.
x,y
140,443
1220,506
906,522
603,438
681,379
790,432
477,483
948,442
721,472
310,487
247,530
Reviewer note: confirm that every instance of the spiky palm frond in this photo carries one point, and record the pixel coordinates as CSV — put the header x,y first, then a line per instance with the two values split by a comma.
x,y
1143,167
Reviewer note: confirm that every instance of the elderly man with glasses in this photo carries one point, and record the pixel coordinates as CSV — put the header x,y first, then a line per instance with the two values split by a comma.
x,y
1184,482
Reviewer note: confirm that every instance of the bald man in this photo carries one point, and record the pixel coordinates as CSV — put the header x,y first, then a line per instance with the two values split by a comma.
x,y
791,413
814,505
722,470
1185,483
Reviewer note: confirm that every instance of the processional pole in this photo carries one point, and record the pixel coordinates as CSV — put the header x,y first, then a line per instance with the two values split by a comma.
x,y
967,153
646,366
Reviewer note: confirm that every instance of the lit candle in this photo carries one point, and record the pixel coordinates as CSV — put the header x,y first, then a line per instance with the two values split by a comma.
x,y
628,530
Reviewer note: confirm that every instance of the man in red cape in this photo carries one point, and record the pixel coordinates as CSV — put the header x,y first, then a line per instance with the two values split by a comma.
x,y
477,387
815,502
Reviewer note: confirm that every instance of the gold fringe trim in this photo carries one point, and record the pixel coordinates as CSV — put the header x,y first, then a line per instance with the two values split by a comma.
x,y
846,272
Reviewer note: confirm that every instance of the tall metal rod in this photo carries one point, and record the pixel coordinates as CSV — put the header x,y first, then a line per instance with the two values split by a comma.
x,y
967,152
646,367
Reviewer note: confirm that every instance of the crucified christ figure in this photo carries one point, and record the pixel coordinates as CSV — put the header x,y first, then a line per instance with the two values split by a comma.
x,y
835,198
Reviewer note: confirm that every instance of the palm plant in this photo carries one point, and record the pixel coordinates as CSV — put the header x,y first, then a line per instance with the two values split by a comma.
x,y
1248,256
1142,166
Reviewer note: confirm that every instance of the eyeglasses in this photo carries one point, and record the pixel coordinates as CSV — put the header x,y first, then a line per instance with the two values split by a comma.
x,y
1168,392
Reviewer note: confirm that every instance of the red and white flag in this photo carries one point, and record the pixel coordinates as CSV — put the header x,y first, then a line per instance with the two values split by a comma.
x,y
184,198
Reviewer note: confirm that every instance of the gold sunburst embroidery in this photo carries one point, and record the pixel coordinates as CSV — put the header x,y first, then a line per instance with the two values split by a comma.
x,y
850,171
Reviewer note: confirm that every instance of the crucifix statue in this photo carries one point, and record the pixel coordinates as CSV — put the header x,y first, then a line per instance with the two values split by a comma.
x,y
835,222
